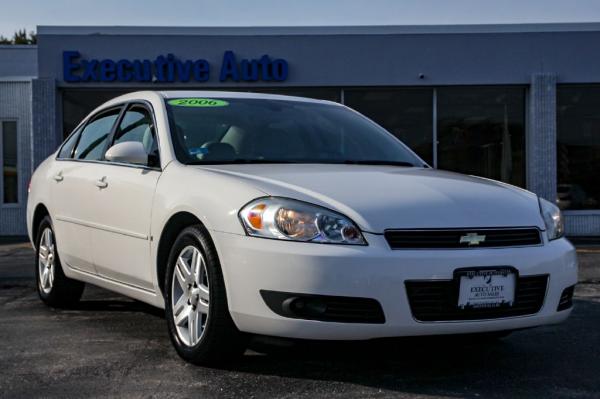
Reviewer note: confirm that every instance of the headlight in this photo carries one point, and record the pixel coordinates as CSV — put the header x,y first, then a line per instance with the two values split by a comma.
x,y
553,219
287,219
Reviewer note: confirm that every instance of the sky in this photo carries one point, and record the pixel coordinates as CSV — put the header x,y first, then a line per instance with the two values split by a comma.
x,y
30,13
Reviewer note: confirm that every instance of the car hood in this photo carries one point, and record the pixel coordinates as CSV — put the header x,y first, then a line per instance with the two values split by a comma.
x,y
390,197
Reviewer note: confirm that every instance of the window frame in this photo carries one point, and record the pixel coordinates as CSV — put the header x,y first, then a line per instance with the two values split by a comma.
x,y
92,119
124,106
111,138
19,202
77,131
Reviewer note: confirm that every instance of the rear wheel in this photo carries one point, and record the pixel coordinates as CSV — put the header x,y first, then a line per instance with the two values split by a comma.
x,y
54,288
198,318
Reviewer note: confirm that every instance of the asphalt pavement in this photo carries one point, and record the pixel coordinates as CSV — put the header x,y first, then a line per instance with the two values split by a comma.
x,y
111,346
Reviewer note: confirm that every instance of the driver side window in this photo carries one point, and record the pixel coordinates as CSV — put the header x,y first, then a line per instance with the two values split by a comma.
x,y
93,139
137,125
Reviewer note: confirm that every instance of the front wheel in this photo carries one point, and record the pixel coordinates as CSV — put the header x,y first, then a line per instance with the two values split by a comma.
x,y
198,318
54,288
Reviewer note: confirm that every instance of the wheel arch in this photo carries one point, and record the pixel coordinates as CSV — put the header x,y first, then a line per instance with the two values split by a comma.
x,y
174,225
40,212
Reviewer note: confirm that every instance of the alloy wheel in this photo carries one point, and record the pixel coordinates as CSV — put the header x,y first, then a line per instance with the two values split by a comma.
x,y
46,260
190,295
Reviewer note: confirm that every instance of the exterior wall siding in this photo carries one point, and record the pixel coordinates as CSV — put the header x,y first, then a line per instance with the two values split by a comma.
x,y
18,61
15,104
44,134
582,224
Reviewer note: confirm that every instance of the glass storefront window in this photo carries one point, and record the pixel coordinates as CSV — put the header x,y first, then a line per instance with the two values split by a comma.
x,y
310,92
578,147
10,189
406,113
481,131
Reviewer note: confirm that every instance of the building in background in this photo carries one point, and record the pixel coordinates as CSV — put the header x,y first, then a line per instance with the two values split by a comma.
x,y
516,103
18,70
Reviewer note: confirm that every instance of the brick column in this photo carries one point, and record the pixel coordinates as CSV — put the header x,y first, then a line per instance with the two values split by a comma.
x,y
541,136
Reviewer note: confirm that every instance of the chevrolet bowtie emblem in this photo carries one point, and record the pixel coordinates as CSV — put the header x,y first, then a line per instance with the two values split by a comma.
x,y
472,239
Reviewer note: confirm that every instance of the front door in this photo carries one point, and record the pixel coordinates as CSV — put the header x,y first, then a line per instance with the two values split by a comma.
x,y
124,196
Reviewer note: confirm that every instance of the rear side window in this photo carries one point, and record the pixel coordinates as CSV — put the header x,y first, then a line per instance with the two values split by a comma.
x,y
94,137
66,150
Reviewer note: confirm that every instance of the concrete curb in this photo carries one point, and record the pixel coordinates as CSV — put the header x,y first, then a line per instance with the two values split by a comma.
x,y
11,247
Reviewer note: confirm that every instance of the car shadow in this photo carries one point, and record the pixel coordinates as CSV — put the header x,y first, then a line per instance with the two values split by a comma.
x,y
544,361
428,365
117,305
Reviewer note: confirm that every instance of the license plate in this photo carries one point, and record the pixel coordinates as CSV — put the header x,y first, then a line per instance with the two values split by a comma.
x,y
486,289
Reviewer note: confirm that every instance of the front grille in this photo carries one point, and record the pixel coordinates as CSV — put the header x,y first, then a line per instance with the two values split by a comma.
x,y
340,309
566,299
438,300
462,238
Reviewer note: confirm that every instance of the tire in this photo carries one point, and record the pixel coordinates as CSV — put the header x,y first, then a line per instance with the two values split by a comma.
x,y
54,288
198,294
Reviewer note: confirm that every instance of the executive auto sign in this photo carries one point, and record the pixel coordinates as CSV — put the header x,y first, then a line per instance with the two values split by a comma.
x,y
170,69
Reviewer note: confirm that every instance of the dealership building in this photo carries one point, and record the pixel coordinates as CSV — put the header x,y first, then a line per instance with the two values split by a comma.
x,y
516,103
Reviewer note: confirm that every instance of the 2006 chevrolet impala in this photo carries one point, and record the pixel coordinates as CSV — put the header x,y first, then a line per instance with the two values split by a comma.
x,y
283,216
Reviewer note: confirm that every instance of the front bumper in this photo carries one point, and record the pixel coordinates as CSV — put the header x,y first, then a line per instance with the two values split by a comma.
x,y
374,271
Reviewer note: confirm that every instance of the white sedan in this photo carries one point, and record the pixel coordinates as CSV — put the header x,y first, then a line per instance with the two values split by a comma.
x,y
283,216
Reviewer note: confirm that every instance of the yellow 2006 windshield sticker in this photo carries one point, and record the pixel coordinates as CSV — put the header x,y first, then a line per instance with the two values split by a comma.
x,y
198,102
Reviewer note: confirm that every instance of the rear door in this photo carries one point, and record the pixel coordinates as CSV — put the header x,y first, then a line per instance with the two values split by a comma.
x,y
73,195
123,204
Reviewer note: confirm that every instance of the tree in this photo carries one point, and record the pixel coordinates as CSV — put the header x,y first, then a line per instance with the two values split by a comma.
x,y
20,37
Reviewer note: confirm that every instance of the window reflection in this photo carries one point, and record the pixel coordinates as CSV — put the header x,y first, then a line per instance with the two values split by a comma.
x,y
481,131
578,147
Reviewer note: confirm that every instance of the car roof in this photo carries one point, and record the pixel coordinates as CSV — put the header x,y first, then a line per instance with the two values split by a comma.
x,y
145,94
236,94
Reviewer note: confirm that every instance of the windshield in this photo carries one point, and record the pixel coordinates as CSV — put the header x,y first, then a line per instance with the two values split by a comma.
x,y
241,130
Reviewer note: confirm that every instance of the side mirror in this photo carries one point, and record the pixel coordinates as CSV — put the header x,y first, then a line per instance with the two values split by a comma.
x,y
127,152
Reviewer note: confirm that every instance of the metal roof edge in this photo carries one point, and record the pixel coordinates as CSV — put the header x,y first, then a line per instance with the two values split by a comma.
x,y
318,30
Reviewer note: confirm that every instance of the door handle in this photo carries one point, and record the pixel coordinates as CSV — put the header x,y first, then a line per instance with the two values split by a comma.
x,y
101,183
58,177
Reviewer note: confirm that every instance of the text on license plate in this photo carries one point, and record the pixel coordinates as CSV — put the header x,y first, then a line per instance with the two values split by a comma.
x,y
483,288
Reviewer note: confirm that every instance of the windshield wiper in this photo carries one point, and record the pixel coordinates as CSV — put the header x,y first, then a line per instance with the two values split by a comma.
x,y
378,162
